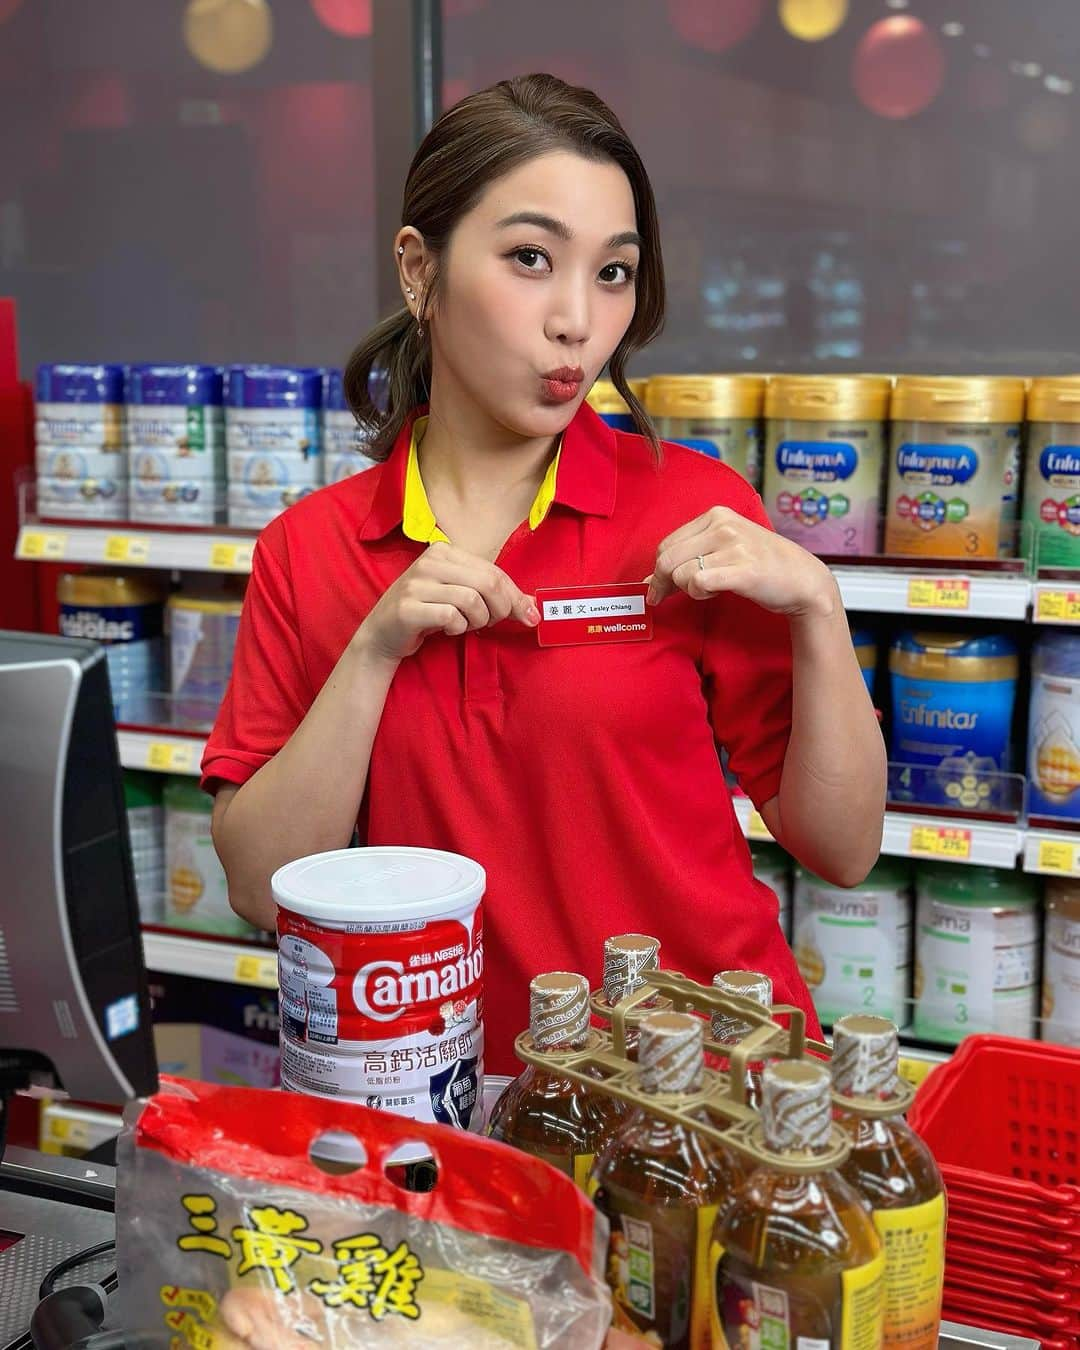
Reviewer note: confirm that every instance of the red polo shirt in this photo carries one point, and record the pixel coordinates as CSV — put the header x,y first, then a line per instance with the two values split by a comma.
x,y
584,779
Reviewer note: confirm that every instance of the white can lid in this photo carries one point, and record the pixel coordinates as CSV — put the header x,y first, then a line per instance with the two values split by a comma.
x,y
378,885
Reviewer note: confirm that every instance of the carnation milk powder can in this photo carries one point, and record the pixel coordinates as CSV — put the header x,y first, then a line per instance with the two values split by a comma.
x,y
380,968
954,467
825,460
1052,480
718,415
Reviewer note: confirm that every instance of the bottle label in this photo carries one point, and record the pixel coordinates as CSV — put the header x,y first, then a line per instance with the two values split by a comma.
x,y
583,1163
799,1312
914,1243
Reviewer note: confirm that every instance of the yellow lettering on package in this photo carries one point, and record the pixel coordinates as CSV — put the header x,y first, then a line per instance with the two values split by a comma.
x,y
583,1165
702,1296
863,1300
914,1242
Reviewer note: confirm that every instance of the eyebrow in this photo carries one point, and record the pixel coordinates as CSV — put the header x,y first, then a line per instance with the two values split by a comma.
x,y
561,230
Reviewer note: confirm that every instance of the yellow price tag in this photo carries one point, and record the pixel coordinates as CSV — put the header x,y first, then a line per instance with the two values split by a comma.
x,y
1057,858
939,593
41,545
170,757
260,970
1058,606
231,557
914,1071
121,548
757,829
940,841
59,1128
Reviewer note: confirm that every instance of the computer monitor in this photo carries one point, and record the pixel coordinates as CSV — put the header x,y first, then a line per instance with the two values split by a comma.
x,y
74,1005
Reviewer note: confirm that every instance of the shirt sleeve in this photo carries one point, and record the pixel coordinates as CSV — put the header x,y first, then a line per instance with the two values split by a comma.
x,y
269,692
746,662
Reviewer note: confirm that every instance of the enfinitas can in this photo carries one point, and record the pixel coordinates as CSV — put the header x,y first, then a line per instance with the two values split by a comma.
x,y
380,968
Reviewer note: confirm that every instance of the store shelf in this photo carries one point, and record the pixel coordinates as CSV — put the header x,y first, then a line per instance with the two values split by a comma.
x,y
1052,853
132,546
980,596
205,958
161,751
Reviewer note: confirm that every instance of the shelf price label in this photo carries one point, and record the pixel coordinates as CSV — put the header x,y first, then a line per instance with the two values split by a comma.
x,y
126,548
226,557
260,970
170,757
41,545
951,842
1058,606
914,1071
939,593
1057,858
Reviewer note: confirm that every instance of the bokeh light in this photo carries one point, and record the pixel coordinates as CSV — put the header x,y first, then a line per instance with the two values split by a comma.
x,y
899,67
813,20
228,36
714,26
346,18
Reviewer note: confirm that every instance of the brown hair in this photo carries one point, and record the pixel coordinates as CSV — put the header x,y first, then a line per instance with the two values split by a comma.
x,y
474,143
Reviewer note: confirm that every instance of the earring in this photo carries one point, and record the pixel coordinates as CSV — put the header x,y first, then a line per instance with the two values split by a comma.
x,y
401,251
410,292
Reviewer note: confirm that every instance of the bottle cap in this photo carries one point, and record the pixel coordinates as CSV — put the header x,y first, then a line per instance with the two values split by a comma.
x,y
743,984
796,1108
559,1010
671,1052
865,1053
625,957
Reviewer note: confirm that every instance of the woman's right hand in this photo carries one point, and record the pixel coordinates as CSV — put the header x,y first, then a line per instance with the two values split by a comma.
x,y
445,591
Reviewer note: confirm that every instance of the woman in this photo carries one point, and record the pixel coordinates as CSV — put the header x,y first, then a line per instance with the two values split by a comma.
x,y
388,674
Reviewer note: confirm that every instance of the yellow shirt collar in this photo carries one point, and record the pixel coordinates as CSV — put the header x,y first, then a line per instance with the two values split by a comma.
x,y
417,518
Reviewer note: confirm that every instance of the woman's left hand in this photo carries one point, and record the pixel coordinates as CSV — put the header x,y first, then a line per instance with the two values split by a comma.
x,y
721,552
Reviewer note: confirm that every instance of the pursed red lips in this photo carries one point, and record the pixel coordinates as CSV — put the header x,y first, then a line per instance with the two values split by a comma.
x,y
563,384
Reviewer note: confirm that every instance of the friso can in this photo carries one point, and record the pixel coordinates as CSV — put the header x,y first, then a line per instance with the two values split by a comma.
x,y
380,968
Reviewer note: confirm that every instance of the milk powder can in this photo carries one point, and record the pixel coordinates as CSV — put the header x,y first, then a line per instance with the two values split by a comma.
x,y
854,945
718,415
1054,727
81,406
202,638
772,867
954,467
605,399
196,891
126,614
865,644
344,440
976,953
1061,963
1052,478
275,409
178,409
146,832
380,960
952,697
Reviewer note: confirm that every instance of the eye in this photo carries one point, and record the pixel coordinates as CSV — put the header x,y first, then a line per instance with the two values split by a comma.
x,y
609,275
532,259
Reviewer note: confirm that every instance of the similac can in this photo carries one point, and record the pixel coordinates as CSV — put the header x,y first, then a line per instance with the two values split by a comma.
x,y
75,465
603,398
1052,479
245,514
197,892
854,946
126,613
202,639
83,498
825,460
178,409
173,501
952,697
380,969
1061,963
82,406
274,408
1054,727
865,644
954,467
976,952
772,867
344,440
718,415
261,474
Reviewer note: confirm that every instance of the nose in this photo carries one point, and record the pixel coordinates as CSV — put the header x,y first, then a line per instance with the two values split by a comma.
x,y
568,321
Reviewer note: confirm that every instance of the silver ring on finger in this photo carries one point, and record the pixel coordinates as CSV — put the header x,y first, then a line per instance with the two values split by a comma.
x,y
701,562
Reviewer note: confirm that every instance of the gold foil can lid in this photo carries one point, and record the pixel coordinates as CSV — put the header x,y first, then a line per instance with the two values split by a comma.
x,y
958,398
671,1052
625,957
1054,400
559,1010
702,396
743,984
796,1107
865,1054
603,397
829,398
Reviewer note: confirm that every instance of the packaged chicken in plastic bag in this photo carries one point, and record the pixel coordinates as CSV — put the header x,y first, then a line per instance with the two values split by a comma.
x,y
230,1237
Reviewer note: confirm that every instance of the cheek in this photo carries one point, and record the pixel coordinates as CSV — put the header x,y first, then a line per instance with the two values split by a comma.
x,y
614,319
492,315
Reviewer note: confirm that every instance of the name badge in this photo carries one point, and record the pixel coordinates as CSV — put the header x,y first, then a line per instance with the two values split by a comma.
x,y
572,616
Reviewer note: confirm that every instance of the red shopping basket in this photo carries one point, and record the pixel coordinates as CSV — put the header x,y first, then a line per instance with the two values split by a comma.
x,y
1022,1265
1002,1117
